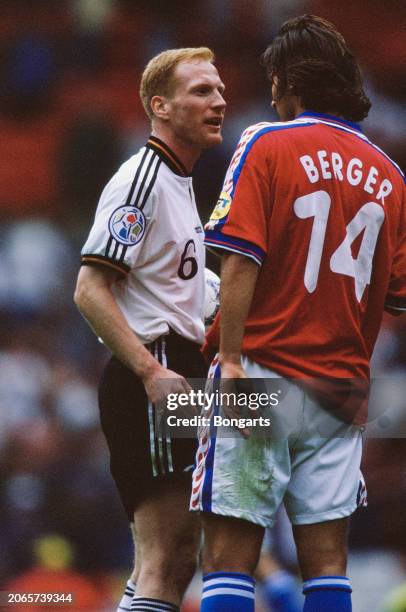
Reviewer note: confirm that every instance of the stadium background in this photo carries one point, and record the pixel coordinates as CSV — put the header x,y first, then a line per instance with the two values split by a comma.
x,y
70,114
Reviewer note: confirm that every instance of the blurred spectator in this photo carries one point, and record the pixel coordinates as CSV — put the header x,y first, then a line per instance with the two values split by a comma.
x,y
29,73
39,260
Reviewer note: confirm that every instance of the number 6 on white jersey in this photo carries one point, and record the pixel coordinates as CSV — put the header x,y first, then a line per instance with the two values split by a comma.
x,y
369,218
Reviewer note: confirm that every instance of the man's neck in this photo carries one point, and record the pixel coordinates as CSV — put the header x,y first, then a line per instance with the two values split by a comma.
x,y
187,153
297,107
324,112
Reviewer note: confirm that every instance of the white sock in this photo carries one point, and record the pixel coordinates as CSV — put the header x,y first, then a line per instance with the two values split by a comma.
x,y
149,604
125,602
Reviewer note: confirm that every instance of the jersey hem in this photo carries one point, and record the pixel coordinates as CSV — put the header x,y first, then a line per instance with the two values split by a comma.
x,y
237,245
393,310
395,305
99,260
291,371
321,517
257,519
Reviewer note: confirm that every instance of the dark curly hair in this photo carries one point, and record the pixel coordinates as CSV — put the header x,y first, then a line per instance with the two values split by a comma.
x,y
311,60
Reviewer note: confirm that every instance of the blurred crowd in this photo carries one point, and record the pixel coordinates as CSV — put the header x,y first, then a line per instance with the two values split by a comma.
x,y
69,114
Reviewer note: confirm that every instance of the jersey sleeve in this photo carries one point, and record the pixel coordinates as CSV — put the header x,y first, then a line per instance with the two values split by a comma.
x,y
395,302
239,222
119,229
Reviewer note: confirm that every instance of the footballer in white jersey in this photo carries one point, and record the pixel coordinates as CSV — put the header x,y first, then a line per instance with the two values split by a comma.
x,y
141,288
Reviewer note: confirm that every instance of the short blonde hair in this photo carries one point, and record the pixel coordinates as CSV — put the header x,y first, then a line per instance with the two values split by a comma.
x,y
157,78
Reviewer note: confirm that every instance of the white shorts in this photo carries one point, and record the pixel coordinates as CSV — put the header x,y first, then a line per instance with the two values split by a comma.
x,y
310,461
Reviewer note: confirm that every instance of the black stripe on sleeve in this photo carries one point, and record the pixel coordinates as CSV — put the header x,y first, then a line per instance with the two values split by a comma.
x,y
108,246
144,179
150,186
116,246
111,240
123,252
136,177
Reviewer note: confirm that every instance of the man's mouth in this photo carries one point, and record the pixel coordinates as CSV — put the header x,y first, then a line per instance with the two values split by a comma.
x,y
215,121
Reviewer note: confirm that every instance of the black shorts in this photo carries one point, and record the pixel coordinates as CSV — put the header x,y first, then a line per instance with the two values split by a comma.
x,y
138,456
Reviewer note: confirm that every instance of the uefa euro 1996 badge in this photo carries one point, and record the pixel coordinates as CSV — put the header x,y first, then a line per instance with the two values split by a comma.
x,y
127,225
222,207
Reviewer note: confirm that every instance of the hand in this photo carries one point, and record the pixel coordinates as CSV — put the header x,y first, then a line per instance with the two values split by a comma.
x,y
160,381
229,372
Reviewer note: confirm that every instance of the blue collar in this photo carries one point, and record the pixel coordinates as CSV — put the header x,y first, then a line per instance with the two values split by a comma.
x,y
354,126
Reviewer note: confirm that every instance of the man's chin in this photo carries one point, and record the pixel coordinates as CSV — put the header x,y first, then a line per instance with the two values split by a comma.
x,y
212,141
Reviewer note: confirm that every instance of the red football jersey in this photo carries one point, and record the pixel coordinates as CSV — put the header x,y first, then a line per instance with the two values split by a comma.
x,y
323,212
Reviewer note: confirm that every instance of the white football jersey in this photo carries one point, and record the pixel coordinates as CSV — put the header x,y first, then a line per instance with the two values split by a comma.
x,y
147,228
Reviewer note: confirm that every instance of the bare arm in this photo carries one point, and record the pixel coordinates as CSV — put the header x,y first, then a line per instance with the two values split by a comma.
x,y
96,301
238,278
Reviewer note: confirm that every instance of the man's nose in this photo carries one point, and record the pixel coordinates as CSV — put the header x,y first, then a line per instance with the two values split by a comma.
x,y
219,101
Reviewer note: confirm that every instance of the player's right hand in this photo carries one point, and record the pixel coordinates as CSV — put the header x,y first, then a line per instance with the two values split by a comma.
x,y
160,382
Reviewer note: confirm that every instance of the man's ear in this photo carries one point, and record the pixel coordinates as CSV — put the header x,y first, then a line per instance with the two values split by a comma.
x,y
160,107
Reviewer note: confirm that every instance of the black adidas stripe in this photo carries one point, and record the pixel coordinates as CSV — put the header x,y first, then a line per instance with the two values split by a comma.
x,y
161,456
114,256
123,252
148,191
137,174
117,245
164,441
154,351
158,439
108,246
152,605
144,179
129,591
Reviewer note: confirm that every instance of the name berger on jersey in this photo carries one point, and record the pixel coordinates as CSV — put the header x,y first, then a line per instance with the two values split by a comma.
x,y
331,165
327,166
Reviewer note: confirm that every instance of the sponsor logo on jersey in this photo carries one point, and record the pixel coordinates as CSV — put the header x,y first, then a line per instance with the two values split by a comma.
x,y
127,225
222,207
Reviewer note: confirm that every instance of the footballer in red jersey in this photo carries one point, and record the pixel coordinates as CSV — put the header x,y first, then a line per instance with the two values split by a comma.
x,y
311,223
